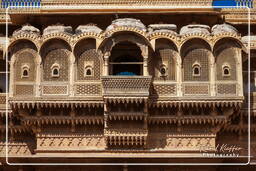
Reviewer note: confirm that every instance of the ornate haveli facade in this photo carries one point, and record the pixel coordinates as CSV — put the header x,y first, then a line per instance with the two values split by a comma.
x,y
113,81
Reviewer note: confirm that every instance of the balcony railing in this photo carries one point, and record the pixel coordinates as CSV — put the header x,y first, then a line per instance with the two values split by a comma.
x,y
126,85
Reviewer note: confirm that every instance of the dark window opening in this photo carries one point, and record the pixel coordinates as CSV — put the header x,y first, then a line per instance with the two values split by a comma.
x,y
55,72
226,71
196,71
126,59
88,72
25,73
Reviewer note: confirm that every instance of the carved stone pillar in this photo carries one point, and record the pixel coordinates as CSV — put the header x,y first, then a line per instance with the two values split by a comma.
x,y
239,73
39,71
212,76
12,81
106,66
72,75
179,77
145,60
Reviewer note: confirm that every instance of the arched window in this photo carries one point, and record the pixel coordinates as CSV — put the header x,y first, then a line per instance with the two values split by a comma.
x,y
226,71
55,70
163,71
196,69
88,71
25,71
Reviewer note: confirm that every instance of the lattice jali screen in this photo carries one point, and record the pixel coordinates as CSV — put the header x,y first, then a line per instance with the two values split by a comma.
x,y
27,90
223,89
88,89
55,90
163,89
25,58
196,56
2,98
196,89
60,57
89,55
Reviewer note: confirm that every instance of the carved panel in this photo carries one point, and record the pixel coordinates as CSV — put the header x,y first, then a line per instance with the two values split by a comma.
x,y
164,57
15,149
74,142
25,57
226,57
2,98
226,89
196,89
89,55
181,142
199,56
88,89
163,89
59,57
55,90
27,90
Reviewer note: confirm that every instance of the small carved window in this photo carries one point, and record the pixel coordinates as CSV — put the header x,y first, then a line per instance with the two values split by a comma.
x,y
163,71
25,71
225,71
55,70
88,71
196,69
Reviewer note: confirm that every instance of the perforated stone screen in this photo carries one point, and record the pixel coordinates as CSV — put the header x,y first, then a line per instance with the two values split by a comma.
x,y
200,56
60,57
226,56
89,55
25,57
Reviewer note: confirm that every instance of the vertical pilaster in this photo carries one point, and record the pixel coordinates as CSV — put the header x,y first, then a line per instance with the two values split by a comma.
x,y
72,75
145,60
212,76
179,76
239,73
38,76
106,64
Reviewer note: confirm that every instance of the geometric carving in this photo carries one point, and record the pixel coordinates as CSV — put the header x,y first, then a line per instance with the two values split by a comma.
x,y
60,57
55,90
196,89
226,89
27,90
92,56
88,89
70,142
163,89
182,142
2,99
199,56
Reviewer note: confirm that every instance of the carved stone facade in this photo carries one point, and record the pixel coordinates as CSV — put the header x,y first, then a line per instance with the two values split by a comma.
x,y
123,90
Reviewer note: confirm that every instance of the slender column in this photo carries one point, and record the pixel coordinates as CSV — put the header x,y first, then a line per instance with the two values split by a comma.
x,y
38,76
239,73
179,77
212,76
72,75
11,83
106,66
145,60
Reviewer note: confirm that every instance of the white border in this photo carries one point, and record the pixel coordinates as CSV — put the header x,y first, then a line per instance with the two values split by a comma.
x,y
132,7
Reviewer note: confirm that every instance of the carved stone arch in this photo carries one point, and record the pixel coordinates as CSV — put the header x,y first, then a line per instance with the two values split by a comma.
x,y
56,51
205,39
226,52
165,57
199,51
19,44
87,56
121,36
28,57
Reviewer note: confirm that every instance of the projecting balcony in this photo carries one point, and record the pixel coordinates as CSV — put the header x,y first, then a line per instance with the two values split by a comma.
x,y
126,86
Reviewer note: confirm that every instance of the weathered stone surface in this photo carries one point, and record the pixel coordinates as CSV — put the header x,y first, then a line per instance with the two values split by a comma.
x,y
127,22
87,28
245,39
195,28
171,28
57,29
220,28
26,29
